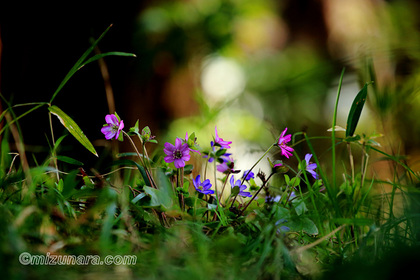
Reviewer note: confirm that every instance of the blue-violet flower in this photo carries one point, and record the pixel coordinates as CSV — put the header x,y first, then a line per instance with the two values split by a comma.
x,y
248,175
241,187
202,187
311,166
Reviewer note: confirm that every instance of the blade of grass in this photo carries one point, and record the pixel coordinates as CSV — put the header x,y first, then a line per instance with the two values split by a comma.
x,y
333,129
330,192
77,65
101,55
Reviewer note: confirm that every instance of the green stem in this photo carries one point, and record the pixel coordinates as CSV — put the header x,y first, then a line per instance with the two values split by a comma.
x,y
311,194
141,160
53,144
321,173
333,128
221,195
351,163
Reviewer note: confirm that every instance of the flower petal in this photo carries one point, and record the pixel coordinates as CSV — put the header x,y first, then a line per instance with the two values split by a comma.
x,y
111,119
311,166
178,143
179,163
169,159
168,146
307,158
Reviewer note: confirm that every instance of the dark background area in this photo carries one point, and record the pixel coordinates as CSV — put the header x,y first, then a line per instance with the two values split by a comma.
x,y
292,60
41,42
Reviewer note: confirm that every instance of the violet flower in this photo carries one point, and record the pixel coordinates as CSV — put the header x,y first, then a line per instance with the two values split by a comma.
x,y
202,187
112,128
311,166
222,143
179,154
248,175
283,140
227,163
241,187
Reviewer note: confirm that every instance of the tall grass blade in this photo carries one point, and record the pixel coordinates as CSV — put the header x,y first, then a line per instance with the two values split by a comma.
x,y
333,128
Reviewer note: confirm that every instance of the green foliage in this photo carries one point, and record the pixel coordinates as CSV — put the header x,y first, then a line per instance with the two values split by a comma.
x,y
73,128
356,111
293,227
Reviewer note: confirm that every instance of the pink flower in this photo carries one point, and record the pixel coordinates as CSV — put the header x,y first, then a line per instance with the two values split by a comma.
x,y
222,143
178,154
113,127
283,140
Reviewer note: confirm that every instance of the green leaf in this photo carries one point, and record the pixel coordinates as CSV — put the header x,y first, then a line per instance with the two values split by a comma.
x,y
303,224
139,167
101,55
135,129
188,168
186,186
60,185
300,206
138,197
73,128
356,111
69,160
235,191
158,199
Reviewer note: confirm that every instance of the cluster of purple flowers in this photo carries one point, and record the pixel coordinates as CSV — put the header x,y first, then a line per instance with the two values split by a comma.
x,y
179,154
287,152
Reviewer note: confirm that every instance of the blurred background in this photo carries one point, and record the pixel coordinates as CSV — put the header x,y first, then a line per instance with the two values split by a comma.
x,y
251,67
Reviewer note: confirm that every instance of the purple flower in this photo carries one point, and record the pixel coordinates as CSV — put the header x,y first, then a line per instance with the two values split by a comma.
x,y
278,165
202,187
241,187
222,143
227,163
311,166
248,175
113,127
283,140
178,154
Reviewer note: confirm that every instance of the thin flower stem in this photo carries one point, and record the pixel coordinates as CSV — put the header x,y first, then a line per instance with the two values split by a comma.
x,y
205,170
215,184
255,164
224,185
351,162
255,195
141,160
180,184
221,195
311,194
